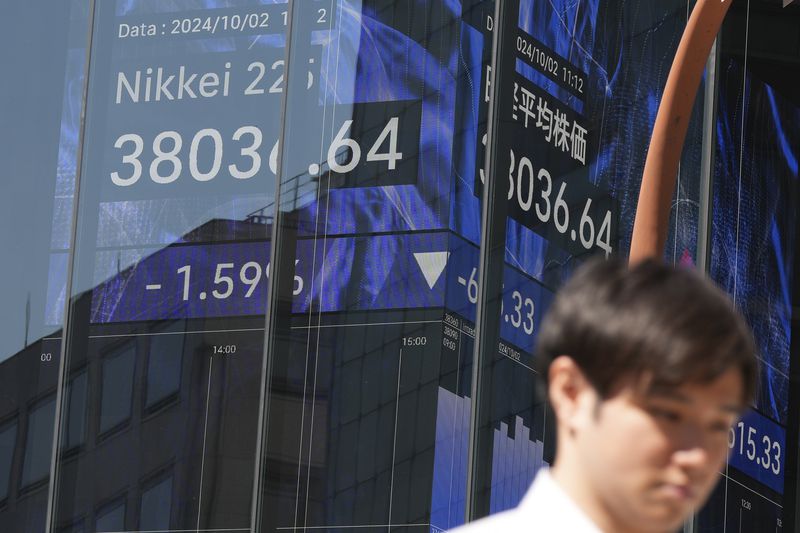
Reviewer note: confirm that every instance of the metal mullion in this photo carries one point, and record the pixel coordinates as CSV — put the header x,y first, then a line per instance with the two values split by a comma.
x,y
63,369
707,155
707,158
490,272
271,314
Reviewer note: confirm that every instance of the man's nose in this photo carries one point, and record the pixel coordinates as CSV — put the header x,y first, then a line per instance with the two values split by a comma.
x,y
692,457
693,448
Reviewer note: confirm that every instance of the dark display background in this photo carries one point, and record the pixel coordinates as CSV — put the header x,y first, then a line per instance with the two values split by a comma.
x,y
758,148
624,52
753,258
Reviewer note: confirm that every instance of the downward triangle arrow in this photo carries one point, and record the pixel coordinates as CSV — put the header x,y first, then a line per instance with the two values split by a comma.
x,y
432,264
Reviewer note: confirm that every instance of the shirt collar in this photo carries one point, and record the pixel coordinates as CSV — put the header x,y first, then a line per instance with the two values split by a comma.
x,y
546,499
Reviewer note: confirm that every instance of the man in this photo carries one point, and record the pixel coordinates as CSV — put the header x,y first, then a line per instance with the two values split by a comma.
x,y
647,368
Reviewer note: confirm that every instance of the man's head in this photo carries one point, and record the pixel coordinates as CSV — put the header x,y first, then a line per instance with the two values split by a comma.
x,y
647,369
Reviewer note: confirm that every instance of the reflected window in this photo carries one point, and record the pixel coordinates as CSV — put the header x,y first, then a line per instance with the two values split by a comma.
x,y
164,365
77,527
75,429
111,518
8,437
117,388
38,443
156,506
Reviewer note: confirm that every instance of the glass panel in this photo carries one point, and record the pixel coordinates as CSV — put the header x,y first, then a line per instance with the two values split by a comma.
x,y
156,506
111,518
8,441
75,428
42,56
164,364
172,255
578,86
368,406
38,443
754,256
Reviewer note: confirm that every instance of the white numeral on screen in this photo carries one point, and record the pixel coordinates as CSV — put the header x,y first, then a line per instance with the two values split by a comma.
x,y
539,197
587,224
338,149
187,270
216,139
524,164
227,280
131,159
166,157
604,235
338,153
392,156
167,166
250,281
250,151
560,206
252,89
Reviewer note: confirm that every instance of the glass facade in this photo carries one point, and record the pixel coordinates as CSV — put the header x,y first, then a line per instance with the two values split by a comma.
x,y
280,265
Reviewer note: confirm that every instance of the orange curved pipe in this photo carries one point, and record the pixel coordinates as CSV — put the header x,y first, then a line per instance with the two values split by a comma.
x,y
669,131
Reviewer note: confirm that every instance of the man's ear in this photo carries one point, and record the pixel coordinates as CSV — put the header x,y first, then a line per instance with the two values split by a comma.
x,y
571,395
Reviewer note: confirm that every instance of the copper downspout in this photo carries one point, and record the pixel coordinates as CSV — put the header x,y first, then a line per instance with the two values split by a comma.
x,y
669,131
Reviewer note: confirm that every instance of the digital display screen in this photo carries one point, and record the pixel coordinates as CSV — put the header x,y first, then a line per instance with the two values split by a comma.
x,y
549,184
183,148
376,149
377,134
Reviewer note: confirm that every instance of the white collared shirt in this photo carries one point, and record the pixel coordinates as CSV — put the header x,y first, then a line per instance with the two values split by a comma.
x,y
546,508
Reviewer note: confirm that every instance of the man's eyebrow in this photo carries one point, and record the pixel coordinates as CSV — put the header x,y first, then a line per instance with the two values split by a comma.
x,y
670,394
